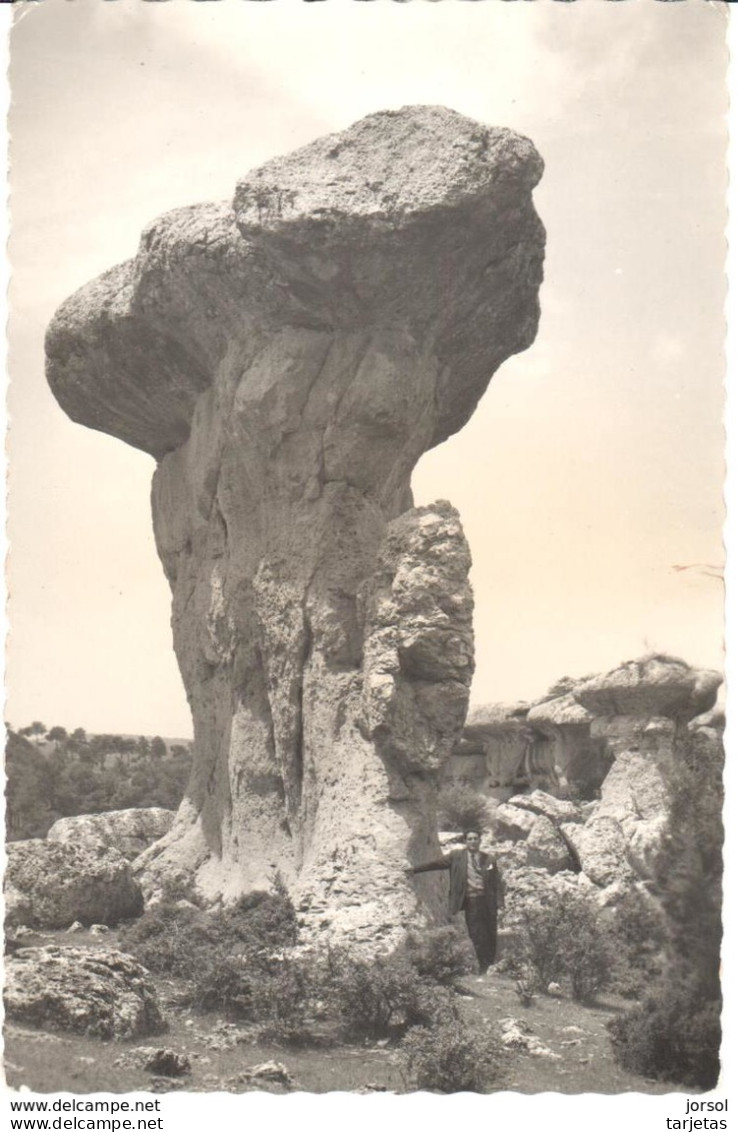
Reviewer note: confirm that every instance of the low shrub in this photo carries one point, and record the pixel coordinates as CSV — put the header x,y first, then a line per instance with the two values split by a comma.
x,y
259,920
564,940
224,956
451,1058
438,954
227,981
383,997
673,1035
285,1002
462,807
168,939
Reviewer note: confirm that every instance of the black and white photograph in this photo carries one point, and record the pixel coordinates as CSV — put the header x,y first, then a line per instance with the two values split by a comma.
x,y
365,653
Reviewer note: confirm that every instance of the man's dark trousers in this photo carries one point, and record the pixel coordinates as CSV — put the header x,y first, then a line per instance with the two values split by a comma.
x,y
481,923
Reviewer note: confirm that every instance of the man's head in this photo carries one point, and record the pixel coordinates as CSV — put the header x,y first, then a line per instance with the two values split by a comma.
x,y
472,839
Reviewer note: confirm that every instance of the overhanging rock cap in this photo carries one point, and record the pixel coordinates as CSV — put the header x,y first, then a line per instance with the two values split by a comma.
x,y
416,219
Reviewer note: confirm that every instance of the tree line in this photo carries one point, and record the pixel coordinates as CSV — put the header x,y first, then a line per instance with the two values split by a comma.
x,y
53,773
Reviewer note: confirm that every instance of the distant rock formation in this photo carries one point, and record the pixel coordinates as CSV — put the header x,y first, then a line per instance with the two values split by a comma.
x,y
98,993
50,885
640,712
127,831
497,737
632,726
547,745
287,359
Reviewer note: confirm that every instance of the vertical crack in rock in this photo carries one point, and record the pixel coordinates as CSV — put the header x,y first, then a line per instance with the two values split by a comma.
x,y
287,359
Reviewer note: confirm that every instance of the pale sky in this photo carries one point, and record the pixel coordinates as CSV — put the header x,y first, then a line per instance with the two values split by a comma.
x,y
593,466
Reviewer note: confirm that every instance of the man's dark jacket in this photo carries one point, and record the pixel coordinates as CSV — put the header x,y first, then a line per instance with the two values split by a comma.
x,y
456,862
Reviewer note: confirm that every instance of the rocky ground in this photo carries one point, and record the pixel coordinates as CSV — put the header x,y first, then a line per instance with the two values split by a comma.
x,y
552,1045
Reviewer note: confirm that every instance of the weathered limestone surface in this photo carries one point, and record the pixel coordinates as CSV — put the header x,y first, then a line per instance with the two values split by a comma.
x,y
649,687
511,823
641,713
127,831
50,885
639,730
287,360
99,993
546,848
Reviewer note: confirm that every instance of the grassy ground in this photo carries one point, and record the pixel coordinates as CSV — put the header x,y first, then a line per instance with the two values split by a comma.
x,y
222,1054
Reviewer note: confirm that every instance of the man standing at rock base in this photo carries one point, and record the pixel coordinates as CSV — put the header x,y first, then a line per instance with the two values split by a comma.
x,y
474,887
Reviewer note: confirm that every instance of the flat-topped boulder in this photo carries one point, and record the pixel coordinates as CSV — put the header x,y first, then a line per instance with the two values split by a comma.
x,y
652,686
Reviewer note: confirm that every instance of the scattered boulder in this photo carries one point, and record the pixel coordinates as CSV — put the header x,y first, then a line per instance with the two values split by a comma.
x,y
511,823
270,1071
265,1076
51,885
128,831
517,1035
102,994
167,1063
601,849
546,849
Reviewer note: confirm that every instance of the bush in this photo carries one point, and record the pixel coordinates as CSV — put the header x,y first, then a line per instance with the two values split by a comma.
x,y
382,998
564,940
674,1035
224,956
168,939
639,937
258,920
438,954
284,1000
280,992
227,981
451,1058
461,807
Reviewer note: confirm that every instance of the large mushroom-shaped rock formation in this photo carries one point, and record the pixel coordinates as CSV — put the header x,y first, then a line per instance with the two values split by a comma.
x,y
287,359
641,713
